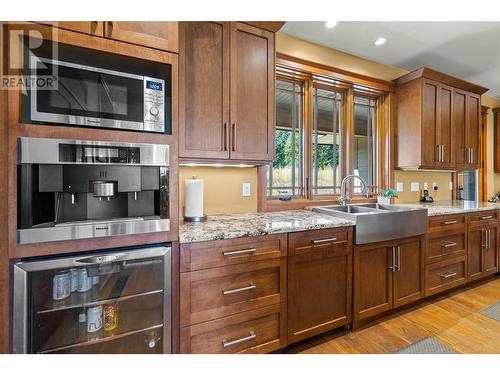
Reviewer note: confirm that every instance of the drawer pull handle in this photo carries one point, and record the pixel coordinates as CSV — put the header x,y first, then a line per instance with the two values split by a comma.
x,y
251,336
231,291
487,217
450,222
448,275
451,244
238,252
324,240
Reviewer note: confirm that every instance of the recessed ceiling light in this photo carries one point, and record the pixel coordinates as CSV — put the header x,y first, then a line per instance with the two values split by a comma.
x,y
330,24
380,41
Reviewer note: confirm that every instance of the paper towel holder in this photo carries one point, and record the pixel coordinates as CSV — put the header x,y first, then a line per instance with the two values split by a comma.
x,y
194,218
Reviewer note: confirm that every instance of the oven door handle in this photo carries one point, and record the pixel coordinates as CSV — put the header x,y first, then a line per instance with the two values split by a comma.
x,y
101,259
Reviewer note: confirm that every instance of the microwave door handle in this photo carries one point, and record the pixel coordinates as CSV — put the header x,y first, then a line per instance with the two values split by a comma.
x,y
102,259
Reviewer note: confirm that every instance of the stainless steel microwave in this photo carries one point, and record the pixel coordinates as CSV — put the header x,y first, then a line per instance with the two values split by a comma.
x,y
98,89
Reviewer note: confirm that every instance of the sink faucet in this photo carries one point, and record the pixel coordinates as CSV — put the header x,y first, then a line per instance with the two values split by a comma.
x,y
344,199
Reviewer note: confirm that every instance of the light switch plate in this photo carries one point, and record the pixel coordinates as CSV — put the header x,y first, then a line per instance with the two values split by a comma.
x,y
399,187
451,185
245,189
415,186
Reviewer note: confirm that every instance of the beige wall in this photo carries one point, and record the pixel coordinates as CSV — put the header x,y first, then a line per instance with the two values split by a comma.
x,y
223,185
222,188
442,179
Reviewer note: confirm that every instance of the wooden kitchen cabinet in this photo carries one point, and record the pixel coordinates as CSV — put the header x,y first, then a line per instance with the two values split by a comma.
x,y
319,282
159,35
440,115
87,27
482,259
496,140
226,92
204,90
387,275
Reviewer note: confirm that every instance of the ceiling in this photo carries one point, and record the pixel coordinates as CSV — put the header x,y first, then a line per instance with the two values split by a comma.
x,y
468,50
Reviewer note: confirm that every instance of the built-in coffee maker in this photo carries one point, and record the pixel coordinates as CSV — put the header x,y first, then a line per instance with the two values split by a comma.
x,y
72,189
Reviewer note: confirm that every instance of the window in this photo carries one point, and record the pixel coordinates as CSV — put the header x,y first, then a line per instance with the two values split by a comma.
x,y
328,124
326,141
286,175
365,141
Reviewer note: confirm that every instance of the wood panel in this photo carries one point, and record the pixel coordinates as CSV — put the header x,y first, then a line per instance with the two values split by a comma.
x,y
447,246
460,128
267,324
444,129
160,35
409,277
204,89
372,279
444,224
319,288
219,292
473,128
252,93
16,129
87,27
272,26
429,123
202,255
483,217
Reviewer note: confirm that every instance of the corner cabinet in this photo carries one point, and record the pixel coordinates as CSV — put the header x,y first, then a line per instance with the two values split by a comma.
x,y
226,92
387,275
440,115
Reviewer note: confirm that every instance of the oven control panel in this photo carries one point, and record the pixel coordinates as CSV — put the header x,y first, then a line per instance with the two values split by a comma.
x,y
154,106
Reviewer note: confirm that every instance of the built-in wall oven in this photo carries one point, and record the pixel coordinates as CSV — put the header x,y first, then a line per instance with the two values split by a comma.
x,y
76,189
118,301
78,86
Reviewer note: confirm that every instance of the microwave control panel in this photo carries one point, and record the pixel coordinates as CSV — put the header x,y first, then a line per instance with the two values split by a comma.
x,y
154,107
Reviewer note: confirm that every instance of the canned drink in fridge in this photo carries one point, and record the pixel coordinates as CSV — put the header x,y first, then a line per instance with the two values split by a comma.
x,y
95,280
84,281
110,316
61,285
94,318
74,279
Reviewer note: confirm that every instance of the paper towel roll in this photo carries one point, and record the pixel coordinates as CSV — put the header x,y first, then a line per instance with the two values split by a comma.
x,y
193,198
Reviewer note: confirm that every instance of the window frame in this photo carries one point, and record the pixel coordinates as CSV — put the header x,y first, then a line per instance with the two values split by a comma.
x,y
351,85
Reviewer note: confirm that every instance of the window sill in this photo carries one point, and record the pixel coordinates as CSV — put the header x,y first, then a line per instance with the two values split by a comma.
x,y
301,203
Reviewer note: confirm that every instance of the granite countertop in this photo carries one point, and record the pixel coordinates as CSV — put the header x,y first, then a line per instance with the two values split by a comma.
x,y
221,227
452,207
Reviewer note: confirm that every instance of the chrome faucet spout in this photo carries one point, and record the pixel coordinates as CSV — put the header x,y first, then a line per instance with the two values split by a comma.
x,y
344,198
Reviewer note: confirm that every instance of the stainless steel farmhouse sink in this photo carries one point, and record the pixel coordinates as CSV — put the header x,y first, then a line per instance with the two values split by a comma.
x,y
379,222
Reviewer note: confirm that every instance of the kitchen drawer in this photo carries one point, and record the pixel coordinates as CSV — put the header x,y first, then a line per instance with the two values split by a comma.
x,y
256,331
444,275
201,255
447,223
446,247
219,292
483,217
301,243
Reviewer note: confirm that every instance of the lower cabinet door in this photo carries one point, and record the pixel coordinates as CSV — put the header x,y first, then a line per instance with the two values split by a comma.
x,y
372,279
256,331
476,240
490,253
409,272
319,290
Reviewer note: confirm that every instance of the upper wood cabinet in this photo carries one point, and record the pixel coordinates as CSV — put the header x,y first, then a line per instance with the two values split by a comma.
x,y
86,27
496,140
438,121
160,35
226,92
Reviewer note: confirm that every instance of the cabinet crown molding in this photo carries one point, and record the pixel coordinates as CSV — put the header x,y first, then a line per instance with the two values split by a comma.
x,y
429,73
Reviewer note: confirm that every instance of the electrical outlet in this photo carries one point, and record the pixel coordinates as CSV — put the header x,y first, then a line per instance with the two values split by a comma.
x,y
435,186
415,186
450,185
245,189
399,187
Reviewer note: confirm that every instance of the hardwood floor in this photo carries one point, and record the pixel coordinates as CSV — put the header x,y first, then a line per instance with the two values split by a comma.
x,y
454,319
